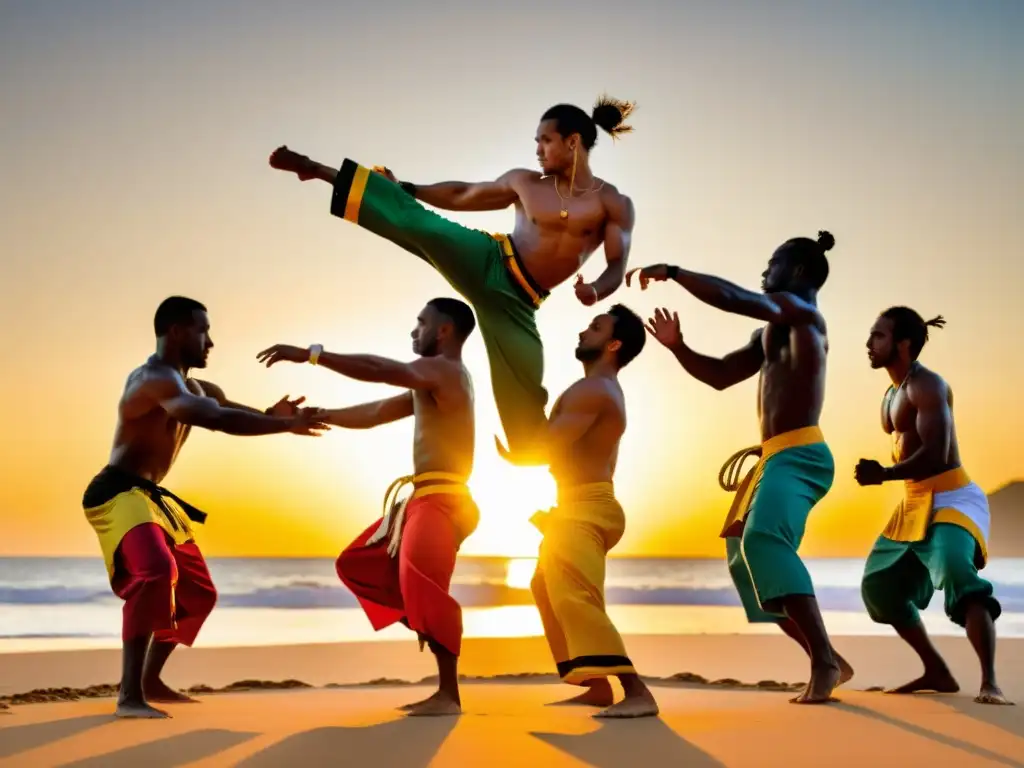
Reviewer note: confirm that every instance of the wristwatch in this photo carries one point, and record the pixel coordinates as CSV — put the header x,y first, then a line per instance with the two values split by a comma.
x,y
888,473
315,350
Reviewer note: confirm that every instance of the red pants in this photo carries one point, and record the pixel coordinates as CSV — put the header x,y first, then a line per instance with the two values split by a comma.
x,y
414,585
167,589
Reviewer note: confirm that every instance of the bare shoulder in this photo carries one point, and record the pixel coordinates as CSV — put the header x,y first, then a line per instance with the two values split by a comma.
x,y
925,385
440,373
618,205
799,313
590,394
517,176
206,389
147,385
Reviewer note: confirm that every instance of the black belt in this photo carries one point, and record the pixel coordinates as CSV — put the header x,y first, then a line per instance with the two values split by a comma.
x,y
112,481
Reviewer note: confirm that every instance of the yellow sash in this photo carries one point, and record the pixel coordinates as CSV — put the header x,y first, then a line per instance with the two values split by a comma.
x,y
115,518
744,489
914,514
586,494
513,267
424,484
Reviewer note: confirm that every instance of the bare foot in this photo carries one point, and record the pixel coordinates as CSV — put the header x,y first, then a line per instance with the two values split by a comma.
x,y
638,705
990,694
819,688
598,694
413,705
283,159
845,670
439,705
160,691
939,681
138,710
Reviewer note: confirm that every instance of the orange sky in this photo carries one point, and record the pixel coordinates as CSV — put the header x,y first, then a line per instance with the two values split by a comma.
x,y
134,147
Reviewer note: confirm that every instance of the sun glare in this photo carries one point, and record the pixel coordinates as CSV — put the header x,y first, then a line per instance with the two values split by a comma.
x,y
508,496
519,572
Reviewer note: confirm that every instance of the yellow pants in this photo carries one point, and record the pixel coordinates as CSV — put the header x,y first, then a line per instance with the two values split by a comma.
x,y
568,585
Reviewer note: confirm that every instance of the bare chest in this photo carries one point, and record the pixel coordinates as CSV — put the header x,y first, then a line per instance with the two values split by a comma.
x,y
551,208
898,413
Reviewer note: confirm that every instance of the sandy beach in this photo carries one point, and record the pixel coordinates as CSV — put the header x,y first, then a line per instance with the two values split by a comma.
x,y
335,704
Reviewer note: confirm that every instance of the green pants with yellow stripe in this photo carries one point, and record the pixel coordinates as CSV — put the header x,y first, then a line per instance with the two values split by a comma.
x,y
475,264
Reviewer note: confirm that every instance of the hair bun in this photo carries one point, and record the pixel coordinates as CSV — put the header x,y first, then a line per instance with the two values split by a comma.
x,y
826,241
610,115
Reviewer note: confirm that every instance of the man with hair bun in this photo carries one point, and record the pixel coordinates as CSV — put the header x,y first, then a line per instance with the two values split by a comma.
x,y
937,538
563,213
795,468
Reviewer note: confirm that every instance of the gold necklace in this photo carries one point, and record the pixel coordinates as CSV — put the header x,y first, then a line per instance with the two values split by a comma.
x,y
564,213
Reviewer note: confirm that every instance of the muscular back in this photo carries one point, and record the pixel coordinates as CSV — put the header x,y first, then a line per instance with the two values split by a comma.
x,y
599,404
553,249
445,429
147,438
791,387
901,416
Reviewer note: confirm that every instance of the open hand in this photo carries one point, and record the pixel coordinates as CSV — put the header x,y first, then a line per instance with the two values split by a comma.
x,y
586,293
283,353
656,272
869,472
284,407
310,422
664,326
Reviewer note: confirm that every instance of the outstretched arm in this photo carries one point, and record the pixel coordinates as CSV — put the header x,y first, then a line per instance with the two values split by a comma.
x,y
419,374
930,396
780,308
369,415
214,391
171,394
470,196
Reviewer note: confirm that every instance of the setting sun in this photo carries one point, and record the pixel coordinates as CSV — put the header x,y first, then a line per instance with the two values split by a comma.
x,y
508,496
519,572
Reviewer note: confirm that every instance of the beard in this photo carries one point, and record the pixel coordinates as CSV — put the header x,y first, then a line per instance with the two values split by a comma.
x,y
884,362
587,354
426,348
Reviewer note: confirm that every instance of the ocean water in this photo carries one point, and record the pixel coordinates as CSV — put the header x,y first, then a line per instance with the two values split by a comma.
x,y
66,603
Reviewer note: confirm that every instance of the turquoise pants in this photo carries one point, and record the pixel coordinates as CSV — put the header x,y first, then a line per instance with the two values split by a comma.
x,y
764,563
900,577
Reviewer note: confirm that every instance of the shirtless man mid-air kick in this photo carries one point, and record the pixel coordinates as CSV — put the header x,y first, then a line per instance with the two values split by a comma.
x,y
563,213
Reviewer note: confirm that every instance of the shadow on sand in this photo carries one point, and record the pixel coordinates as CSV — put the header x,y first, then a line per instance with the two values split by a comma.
x,y
614,745
21,738
409,742
1009,719
168,753
925,733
